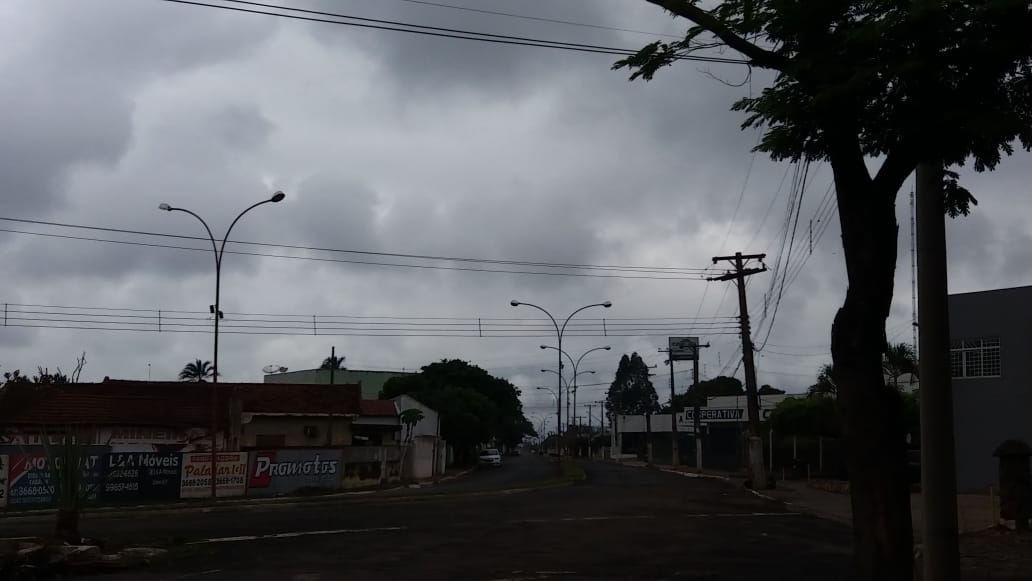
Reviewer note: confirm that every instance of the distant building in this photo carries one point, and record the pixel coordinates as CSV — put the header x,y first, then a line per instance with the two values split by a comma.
x,y
992,394
370,381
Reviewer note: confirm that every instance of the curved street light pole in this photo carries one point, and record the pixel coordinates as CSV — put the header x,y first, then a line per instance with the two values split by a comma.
x,y
558,395
559,330
218,251
576,364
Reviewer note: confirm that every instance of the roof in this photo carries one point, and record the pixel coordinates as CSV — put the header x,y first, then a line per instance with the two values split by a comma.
x,y
378,407
179,404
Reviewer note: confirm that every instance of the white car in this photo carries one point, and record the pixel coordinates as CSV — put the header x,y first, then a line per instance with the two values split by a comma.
x,y
490,457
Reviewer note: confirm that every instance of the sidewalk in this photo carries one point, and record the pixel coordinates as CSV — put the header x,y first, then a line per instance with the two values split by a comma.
x,y
988,553
399,491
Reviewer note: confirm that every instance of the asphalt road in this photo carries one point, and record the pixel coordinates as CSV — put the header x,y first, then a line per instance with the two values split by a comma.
x,y
514,471
622,523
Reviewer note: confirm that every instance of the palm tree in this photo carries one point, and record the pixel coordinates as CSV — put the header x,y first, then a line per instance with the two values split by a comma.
x,y
197,371
899,359
410,418
333,362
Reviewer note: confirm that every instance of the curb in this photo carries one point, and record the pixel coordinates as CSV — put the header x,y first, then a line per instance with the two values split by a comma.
x,y
229,505
724,479
358,497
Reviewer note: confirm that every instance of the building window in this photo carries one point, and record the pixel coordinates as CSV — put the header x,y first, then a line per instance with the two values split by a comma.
x,y
975,358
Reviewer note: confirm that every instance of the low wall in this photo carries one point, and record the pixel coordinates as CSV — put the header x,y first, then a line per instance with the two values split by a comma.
x,y
113,477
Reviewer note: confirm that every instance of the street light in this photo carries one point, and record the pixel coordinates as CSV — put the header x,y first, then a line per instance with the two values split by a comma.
x,y
218,250
576,364
559,336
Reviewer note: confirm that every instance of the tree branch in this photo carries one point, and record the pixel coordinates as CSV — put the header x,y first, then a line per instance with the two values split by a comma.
x,y
686,9
898,164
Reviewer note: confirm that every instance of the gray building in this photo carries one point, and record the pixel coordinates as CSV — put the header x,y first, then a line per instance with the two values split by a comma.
x,y
371,381
991,336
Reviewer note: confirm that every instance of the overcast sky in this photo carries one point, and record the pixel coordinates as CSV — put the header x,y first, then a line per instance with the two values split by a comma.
x,y
393,142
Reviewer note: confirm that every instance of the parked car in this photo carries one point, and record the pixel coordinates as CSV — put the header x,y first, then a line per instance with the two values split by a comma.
x,y
490,457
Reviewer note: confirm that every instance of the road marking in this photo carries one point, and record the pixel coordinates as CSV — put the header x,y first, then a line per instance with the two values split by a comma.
x,y
577,519
296,534
647,517
192,575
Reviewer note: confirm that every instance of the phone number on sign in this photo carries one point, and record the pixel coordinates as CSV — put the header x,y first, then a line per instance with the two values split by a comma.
x,y
226,481
122,487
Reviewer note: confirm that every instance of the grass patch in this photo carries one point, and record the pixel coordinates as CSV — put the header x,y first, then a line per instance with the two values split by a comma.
x,y
572,471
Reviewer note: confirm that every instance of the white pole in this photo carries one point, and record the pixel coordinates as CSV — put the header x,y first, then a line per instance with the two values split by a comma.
x,y
770,444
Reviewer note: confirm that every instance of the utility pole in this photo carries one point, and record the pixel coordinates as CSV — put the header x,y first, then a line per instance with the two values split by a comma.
x,y
938,467
696,419
329,425
757,472
675,453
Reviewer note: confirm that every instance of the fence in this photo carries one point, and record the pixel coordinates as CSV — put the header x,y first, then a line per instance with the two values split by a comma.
x,y
113,477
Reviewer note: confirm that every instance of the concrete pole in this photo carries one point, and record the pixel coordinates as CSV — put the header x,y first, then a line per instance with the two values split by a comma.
x,y
938,465
674,452
648,438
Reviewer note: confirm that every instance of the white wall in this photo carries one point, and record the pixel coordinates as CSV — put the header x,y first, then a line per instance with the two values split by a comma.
x,y
428,425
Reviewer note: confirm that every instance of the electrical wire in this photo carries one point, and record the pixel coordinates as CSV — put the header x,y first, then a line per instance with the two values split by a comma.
x,y
648,269
539,18
451,33
347,261
97,318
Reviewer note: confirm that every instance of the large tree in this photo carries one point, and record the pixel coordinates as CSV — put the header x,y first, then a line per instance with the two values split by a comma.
x,y
631,391
698,394
475,406
885,85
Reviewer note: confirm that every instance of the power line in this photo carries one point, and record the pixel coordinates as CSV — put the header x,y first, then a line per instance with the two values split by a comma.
x,y
337,316
647,269
346,261
63,317
539,18
452,33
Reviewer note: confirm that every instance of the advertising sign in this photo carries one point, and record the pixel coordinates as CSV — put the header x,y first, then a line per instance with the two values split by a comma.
x,y
274,472
684,348
29,479
717,415
3,480
135,476
230,480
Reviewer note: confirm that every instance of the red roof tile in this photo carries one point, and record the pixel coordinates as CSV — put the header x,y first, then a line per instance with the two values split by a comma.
x,y
378,407
146,403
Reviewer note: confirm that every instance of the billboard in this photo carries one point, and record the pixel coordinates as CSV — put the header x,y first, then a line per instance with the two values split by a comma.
x,y
230,479
275,472
3,480
718,416
684,348
29,482
140,476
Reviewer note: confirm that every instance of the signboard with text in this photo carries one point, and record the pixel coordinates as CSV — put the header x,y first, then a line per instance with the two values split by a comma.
x,y
138,476
230,480
30,482
3,480
717,415
274,472
684,348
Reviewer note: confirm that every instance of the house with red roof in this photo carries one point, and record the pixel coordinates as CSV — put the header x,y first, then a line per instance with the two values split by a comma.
x,y
179,415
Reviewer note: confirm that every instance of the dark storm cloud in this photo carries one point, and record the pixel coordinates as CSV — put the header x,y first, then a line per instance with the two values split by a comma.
x,y
68,90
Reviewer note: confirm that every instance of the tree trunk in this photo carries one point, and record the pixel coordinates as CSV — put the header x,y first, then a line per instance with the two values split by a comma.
x,y
67,528
872,420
